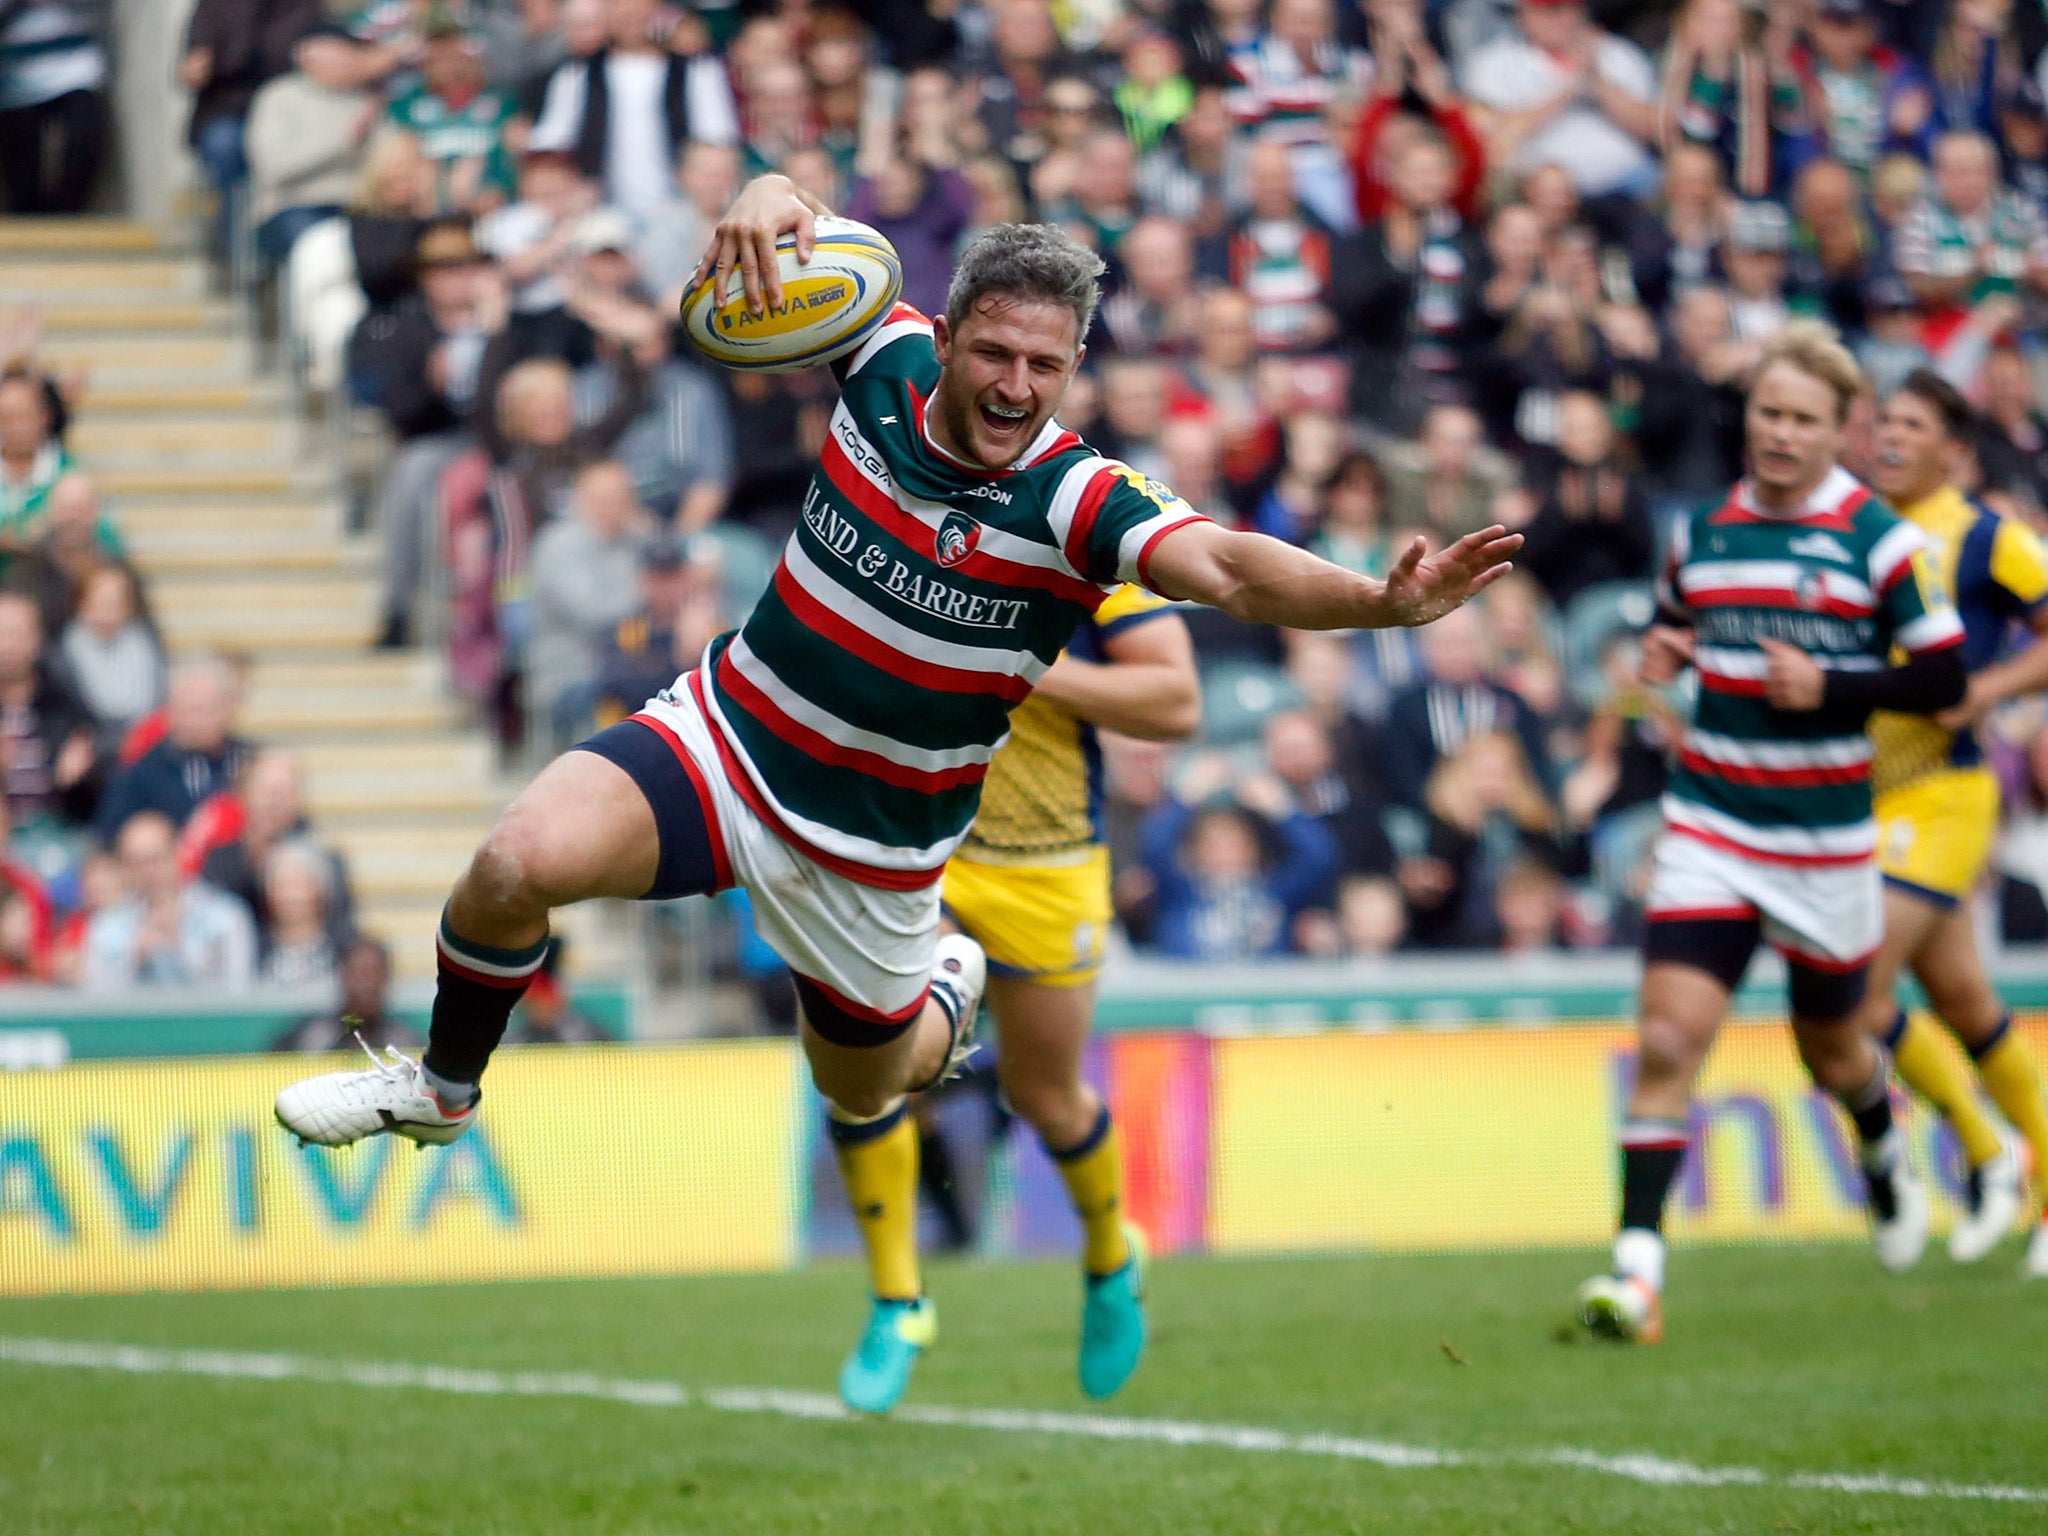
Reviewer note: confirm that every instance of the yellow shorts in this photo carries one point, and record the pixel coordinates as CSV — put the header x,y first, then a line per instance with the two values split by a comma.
x,y
1934,835
1044,922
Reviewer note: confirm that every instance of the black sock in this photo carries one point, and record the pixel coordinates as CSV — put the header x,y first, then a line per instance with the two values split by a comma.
x,y
1651,1153
1871,1105
477,989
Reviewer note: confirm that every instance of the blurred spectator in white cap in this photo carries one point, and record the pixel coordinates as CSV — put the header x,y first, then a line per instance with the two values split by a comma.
x,y
1755,254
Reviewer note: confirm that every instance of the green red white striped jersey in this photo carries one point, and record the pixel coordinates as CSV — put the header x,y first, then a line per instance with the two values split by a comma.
x,y
1845,581
916,604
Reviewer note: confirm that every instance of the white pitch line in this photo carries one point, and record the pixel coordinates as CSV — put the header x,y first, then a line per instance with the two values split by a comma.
x,y
1658,1471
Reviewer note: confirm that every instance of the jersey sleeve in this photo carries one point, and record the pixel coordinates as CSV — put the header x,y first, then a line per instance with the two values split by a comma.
x,y
2019,566
1126,608
1108,517
901,348
1911,607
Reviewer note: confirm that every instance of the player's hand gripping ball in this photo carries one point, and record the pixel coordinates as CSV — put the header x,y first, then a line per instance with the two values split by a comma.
x,y
830,304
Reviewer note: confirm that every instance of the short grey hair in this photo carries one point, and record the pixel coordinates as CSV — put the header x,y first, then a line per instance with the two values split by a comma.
x,y
1027,261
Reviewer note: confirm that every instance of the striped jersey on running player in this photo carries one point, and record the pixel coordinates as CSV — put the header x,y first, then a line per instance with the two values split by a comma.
x,y
916,604
1845,581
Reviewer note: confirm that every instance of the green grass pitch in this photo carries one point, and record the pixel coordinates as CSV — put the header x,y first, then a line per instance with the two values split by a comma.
x,y
1788,1362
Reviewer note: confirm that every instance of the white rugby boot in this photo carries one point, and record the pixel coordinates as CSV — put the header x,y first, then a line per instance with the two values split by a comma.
x,y
1621,1308
1997,1187
392,1094
2035,1265
1900,1213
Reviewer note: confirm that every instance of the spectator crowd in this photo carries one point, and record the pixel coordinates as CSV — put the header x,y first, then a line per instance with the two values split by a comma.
x,y
1376,268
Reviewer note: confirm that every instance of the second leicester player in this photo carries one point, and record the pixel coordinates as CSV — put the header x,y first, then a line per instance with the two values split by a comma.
x,y
1031,885
1937,813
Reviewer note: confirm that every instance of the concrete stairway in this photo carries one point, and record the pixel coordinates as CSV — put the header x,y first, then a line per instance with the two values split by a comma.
x,y
227,505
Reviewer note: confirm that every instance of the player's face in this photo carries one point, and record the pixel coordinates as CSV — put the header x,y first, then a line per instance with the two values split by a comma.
x,y
1912,450
1002,375
1794,429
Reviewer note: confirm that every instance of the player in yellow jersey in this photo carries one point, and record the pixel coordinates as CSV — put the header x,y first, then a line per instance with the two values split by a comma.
x,y
1031,885
1937,814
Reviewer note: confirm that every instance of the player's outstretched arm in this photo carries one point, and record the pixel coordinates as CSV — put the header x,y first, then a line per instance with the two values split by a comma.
x,y
1262,580
767,208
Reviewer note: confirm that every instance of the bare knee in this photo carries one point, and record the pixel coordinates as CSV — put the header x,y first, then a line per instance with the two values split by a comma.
x,y
1061,1110
522,870
1838,1056
1665,1053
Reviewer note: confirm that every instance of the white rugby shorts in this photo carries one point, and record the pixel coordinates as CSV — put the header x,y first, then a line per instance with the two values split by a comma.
x,y
1828,916
868,949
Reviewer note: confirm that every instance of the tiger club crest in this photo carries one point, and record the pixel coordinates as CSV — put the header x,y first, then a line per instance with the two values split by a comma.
x,y
957,537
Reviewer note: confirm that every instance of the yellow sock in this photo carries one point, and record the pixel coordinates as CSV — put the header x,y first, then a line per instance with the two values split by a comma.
x,y
878,1161
1094,1171
1927,1066
2009,1073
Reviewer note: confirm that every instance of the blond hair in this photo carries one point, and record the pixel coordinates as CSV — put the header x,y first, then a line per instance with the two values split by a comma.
x,y
390,146
1814,349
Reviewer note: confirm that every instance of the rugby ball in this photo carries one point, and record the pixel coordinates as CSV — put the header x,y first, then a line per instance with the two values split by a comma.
x,y
830,304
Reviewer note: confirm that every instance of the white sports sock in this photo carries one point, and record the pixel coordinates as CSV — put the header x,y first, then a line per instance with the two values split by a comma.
x,y
452,1094
1639,1255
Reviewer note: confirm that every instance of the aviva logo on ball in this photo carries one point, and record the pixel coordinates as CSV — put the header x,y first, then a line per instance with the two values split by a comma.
x,y
800,300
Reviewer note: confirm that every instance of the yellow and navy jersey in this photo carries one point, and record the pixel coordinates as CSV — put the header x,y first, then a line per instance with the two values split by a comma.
x,y
1997,573
1043,793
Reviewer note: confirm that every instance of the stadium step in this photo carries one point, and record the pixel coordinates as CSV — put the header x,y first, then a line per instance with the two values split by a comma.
x,y
37,278
350,715
201,483
343,797
147,517
97,401
136,319
308,596
83,236
450,756
293,555
155,361
109,440
262,635
391,673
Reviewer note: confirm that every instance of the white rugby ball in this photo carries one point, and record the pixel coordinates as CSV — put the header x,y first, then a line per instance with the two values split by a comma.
x,y
830,304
